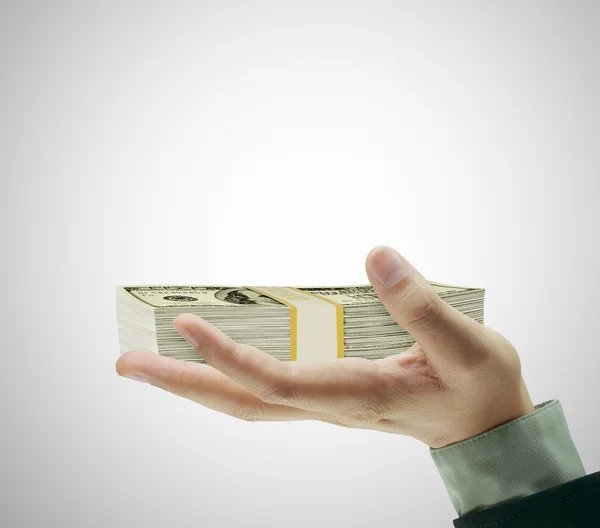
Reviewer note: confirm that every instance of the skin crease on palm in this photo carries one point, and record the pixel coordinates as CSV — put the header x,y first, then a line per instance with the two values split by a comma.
x,y
458,380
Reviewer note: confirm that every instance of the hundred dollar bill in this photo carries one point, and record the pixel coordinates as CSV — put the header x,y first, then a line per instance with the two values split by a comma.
x,y
316,322
173,296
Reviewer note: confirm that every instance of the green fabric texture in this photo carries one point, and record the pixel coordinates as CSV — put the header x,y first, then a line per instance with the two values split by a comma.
x,y
511,461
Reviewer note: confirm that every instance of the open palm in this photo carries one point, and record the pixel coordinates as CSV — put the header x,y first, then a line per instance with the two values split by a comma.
x,y
459,379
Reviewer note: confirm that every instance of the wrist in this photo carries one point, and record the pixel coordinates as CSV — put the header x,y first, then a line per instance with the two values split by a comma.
x,y
493,416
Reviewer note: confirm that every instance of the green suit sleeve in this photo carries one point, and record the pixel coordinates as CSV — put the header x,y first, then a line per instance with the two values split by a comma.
x,y
511,461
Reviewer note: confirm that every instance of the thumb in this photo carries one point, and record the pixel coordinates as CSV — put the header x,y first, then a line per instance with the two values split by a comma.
x,y
445,334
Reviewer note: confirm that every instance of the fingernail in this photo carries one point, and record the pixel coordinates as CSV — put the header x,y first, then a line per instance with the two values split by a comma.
x,y
188,335
136,377
388,267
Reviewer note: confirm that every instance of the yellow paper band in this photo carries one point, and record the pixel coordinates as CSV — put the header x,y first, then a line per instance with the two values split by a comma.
x,y
316,323
339,320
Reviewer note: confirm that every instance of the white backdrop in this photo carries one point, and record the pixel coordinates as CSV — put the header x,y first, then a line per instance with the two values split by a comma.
x,y
277,143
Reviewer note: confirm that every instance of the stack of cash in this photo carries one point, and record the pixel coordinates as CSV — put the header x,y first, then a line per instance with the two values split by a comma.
x,y
145,318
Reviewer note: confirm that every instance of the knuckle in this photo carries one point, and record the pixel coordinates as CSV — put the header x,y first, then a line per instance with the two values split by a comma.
x,y
182,380
425,314
281,391
248,414
365,416
279,395
236,349
253,414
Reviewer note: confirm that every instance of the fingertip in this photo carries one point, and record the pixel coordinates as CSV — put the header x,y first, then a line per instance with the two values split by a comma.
x,y
372,257
131,362
118,367
122,364
386,266
375,251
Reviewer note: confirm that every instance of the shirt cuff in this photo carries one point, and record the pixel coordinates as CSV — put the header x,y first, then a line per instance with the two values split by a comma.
x,y
516,459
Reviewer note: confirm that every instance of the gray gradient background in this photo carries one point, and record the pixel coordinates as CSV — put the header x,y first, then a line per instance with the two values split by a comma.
x,y
277,143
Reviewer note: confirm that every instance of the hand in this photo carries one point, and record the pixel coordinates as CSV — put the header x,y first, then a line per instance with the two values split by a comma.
x,y
459,379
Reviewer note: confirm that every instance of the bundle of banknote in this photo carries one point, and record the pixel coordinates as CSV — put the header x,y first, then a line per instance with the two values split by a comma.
x,y
365,328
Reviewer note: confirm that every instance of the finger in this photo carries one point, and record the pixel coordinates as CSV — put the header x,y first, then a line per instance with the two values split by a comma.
x,y
323,387
204,385
447,335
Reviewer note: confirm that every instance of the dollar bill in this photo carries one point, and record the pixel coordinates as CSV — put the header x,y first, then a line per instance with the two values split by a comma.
x,y
180,296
